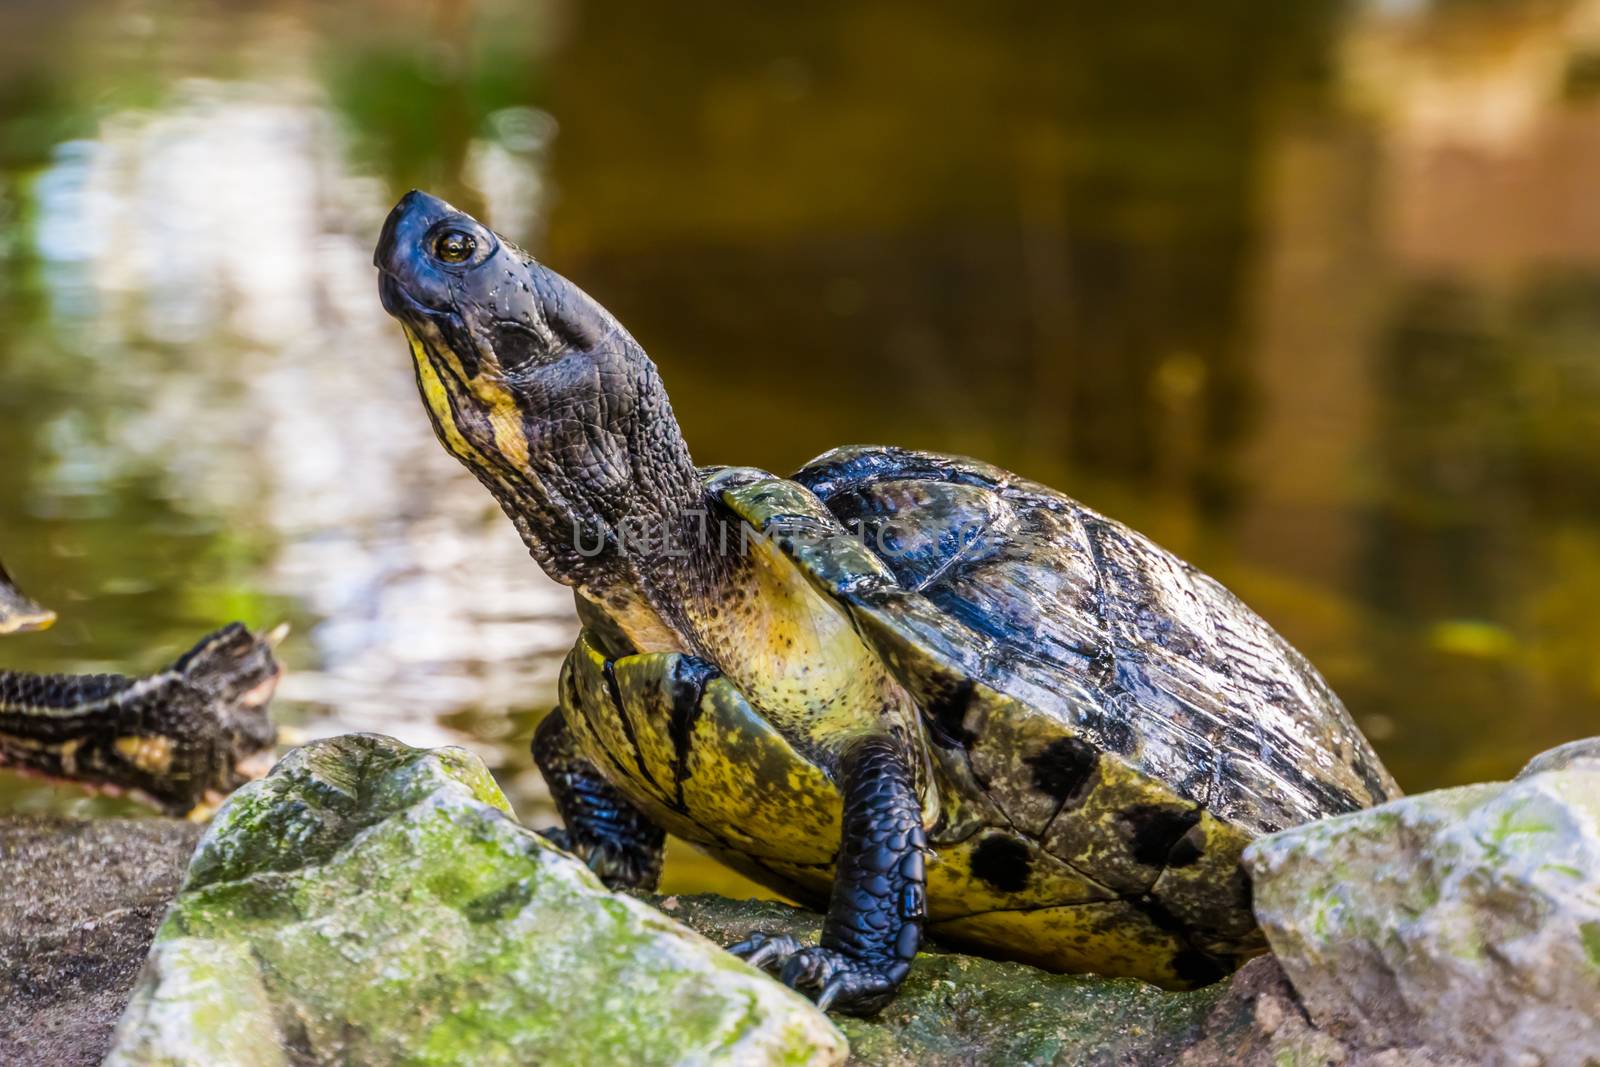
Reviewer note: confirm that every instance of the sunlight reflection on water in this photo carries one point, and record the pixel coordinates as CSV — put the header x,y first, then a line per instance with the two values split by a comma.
x,y
218,252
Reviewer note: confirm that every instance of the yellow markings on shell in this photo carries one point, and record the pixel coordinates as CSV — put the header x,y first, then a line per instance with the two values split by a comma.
x,y
1093,836
954,891
150,754
602,730
644,683
743,785
747,780
1211,892
1108,937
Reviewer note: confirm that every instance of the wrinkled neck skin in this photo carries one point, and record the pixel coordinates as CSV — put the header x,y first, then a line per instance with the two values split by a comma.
x,y
617,510
591,468
613,533
585,456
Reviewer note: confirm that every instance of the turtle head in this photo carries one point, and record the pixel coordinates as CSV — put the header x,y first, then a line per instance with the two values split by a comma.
x,y
536,388
233,674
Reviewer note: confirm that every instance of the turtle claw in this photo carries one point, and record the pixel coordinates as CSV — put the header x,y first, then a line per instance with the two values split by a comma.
x,y
853,986
618,867
767,951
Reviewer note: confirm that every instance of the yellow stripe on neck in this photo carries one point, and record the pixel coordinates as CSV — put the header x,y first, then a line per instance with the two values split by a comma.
x,y
505,418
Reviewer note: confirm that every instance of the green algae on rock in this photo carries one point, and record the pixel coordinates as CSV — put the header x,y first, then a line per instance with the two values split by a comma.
x,y
961,1011
957,1010
1455,921
372,903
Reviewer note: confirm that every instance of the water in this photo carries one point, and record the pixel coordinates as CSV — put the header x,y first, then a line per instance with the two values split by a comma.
x,y
1308,292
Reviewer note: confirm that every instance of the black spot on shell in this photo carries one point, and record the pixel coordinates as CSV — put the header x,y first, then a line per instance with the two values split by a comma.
x,y
1159,916
1373,780
1197,968
1336,800
1065,769
1245,889
691,675
1190,847
947,716
1154,831
1002,862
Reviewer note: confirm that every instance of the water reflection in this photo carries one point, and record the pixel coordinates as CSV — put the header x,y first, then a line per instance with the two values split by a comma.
x,y
1309,292
208,264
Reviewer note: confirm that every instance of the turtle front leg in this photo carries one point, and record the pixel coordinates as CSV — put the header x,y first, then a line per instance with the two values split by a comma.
x,y
602,828
875,915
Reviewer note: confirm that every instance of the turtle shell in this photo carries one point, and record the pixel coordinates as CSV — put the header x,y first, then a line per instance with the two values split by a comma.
x,y
1109,726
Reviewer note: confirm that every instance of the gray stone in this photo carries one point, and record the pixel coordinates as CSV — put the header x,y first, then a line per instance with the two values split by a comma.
x,y
1259,1022
376,904
1572,754
1460,923
79,904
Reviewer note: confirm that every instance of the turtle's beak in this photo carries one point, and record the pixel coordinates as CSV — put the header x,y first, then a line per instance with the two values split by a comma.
x,y
408,220
409,284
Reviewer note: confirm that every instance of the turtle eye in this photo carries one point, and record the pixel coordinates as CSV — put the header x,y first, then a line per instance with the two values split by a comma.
x,y
454,246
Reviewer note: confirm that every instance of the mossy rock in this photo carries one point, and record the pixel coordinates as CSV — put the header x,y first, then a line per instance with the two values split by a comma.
x,y
1464,921
372,903
957,1009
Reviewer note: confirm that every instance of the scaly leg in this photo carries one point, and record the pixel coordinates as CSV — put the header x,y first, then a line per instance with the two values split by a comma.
x,y
609,834
874,923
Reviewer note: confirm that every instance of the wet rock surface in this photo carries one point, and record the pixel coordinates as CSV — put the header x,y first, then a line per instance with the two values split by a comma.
x,y
372,903
1460,923
79,904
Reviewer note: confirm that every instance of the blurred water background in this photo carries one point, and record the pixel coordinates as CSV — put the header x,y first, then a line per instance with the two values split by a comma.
x,y
1309,292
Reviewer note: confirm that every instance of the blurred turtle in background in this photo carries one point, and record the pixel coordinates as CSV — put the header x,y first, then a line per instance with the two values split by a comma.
x,y
914,689
181,739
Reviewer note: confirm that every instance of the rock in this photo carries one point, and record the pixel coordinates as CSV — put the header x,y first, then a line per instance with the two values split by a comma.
x,y
79,904
1572,754
395,847
961,1010
957,1009
1461,923
1259,1022
376,904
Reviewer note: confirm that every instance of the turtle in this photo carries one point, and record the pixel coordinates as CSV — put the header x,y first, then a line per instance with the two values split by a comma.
x,y
915,690
179,739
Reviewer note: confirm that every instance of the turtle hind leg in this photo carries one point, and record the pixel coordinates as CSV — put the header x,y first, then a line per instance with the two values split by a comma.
x,y
602,828
876,912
